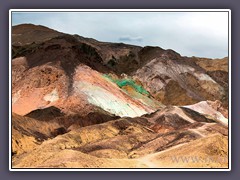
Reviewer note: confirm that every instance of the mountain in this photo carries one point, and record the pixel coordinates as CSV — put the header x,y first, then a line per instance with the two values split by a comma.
x,y
102,104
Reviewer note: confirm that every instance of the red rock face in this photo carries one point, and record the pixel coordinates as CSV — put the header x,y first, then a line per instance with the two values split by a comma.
x,y
34,88
50,86
64,104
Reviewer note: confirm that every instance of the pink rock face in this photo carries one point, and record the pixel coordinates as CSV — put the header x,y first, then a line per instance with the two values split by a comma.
x,y
49,86
28,101
107,95
207,107
36,87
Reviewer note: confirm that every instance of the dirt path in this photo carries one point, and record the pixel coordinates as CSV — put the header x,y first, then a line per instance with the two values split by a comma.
x,y
149,160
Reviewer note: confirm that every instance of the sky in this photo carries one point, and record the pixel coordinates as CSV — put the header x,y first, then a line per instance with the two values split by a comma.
x,y
200,34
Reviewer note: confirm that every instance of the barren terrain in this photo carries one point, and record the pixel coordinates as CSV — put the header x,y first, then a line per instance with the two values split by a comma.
x,y
81,103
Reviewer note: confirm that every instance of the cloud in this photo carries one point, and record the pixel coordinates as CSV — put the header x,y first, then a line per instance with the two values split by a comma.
x,y
202,34
130,39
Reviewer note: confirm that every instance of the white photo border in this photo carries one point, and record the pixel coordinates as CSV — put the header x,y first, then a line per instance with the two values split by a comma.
x,y
119,10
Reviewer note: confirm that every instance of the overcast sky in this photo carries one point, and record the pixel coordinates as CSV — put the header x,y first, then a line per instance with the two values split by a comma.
x,y
201,34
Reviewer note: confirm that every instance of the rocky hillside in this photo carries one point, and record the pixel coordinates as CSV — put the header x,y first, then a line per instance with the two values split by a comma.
x,y
100,104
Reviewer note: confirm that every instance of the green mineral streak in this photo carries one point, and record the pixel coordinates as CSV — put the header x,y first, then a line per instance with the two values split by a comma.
x,y
108,77
127,82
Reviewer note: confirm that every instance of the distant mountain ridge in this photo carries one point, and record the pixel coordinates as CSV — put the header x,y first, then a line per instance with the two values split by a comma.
x,y
43,45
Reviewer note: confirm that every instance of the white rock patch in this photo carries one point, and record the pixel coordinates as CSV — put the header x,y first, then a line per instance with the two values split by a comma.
x,y
204,108
52,97
15,97
107,101
203,77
